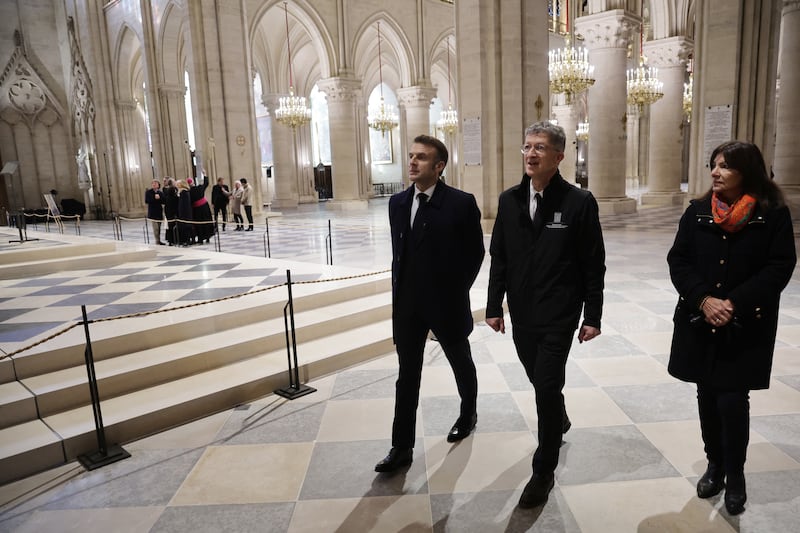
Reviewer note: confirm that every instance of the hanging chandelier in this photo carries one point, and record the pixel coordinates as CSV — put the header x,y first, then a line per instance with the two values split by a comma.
x,y
642,82
582,133
448,121
569,68
292,110
385,119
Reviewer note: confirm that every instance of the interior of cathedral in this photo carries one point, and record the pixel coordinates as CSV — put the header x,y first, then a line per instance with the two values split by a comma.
x,y
316,103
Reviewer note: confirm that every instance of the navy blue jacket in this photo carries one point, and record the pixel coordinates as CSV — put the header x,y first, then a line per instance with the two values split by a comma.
x,y
436,264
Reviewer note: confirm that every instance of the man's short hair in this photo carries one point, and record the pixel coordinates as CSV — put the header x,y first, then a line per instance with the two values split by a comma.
x,y
441,149
555,134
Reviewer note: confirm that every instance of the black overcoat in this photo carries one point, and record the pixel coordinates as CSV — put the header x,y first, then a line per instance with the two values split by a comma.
x,y
435,266
751,268
550,275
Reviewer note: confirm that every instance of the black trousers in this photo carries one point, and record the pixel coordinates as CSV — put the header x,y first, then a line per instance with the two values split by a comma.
x,y
410,347
544,357
221,209
248,211
725,426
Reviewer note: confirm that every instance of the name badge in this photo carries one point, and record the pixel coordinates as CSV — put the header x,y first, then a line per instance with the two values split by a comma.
x,y
556,223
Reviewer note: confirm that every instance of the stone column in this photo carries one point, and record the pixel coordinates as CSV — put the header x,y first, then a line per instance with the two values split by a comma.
x,y
666,120
347,162
502,55
222,91
606,36
123,192
416,104
734,80
284,169
632,174
787,156
173,120
567,116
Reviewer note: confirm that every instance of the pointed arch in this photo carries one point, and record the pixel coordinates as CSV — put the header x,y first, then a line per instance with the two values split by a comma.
x,y
312,45
398,61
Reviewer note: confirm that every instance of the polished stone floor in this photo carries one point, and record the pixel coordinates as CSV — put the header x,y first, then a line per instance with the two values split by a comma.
x,y
628,464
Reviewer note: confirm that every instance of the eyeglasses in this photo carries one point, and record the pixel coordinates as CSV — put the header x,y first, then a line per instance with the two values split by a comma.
x,y
538,148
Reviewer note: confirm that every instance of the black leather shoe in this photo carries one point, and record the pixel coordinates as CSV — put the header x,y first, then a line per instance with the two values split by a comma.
x,y
536,491
735,496
712,482
461,429
397,458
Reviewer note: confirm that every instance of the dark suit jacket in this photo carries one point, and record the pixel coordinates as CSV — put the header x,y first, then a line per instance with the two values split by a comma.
x,y
434,266
550,275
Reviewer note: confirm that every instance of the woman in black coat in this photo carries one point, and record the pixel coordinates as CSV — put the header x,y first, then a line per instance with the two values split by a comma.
x,y
185,227
733,255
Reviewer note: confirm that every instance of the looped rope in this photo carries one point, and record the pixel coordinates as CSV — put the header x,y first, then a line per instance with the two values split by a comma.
x,y
187,306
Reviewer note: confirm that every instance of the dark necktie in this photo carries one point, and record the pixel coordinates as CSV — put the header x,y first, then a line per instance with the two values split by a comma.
x,y
537,214
422,198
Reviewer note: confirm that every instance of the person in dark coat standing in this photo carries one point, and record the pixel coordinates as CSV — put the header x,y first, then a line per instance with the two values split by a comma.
x,y
171,210
437,251
154,198
220,196
548,260
185,226
201,212
733,255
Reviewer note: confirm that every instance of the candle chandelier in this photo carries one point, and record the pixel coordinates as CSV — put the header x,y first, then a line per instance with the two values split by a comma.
x,y
448,122
385,119
644,88
582,133
292,110
569,68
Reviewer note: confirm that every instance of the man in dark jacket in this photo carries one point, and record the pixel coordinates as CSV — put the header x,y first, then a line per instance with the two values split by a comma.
x,y
220,195
154,199
548,259
437,251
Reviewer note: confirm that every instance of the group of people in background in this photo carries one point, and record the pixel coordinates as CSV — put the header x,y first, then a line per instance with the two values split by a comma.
x,y
188,214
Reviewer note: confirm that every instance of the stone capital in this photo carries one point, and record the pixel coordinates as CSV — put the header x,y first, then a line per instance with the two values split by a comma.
x,y
125,104
166,89
417,96
609,29
790,5
669,52
340,89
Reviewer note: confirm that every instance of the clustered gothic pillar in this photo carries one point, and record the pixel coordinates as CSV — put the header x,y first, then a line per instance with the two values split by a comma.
x,y
284,170
606,36
567,116
347,162
666,122
173,120
416,101
787,156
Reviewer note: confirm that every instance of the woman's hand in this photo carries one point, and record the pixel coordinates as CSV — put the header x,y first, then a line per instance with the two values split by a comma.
x,y
717,312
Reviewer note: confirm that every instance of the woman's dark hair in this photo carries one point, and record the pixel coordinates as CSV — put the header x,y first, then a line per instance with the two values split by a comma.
x,y
746,158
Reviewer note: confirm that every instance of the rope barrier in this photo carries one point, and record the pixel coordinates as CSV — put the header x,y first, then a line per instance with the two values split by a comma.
x,y
188,306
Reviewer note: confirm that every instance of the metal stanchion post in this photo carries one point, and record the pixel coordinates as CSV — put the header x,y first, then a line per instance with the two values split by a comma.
x,y
105,454
295,389
267,250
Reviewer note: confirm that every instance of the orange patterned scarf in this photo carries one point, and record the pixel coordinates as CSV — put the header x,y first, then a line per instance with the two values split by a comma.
x,y
732,218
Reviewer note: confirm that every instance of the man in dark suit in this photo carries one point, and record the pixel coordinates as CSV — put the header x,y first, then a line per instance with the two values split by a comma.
x,y
548,259
437,250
